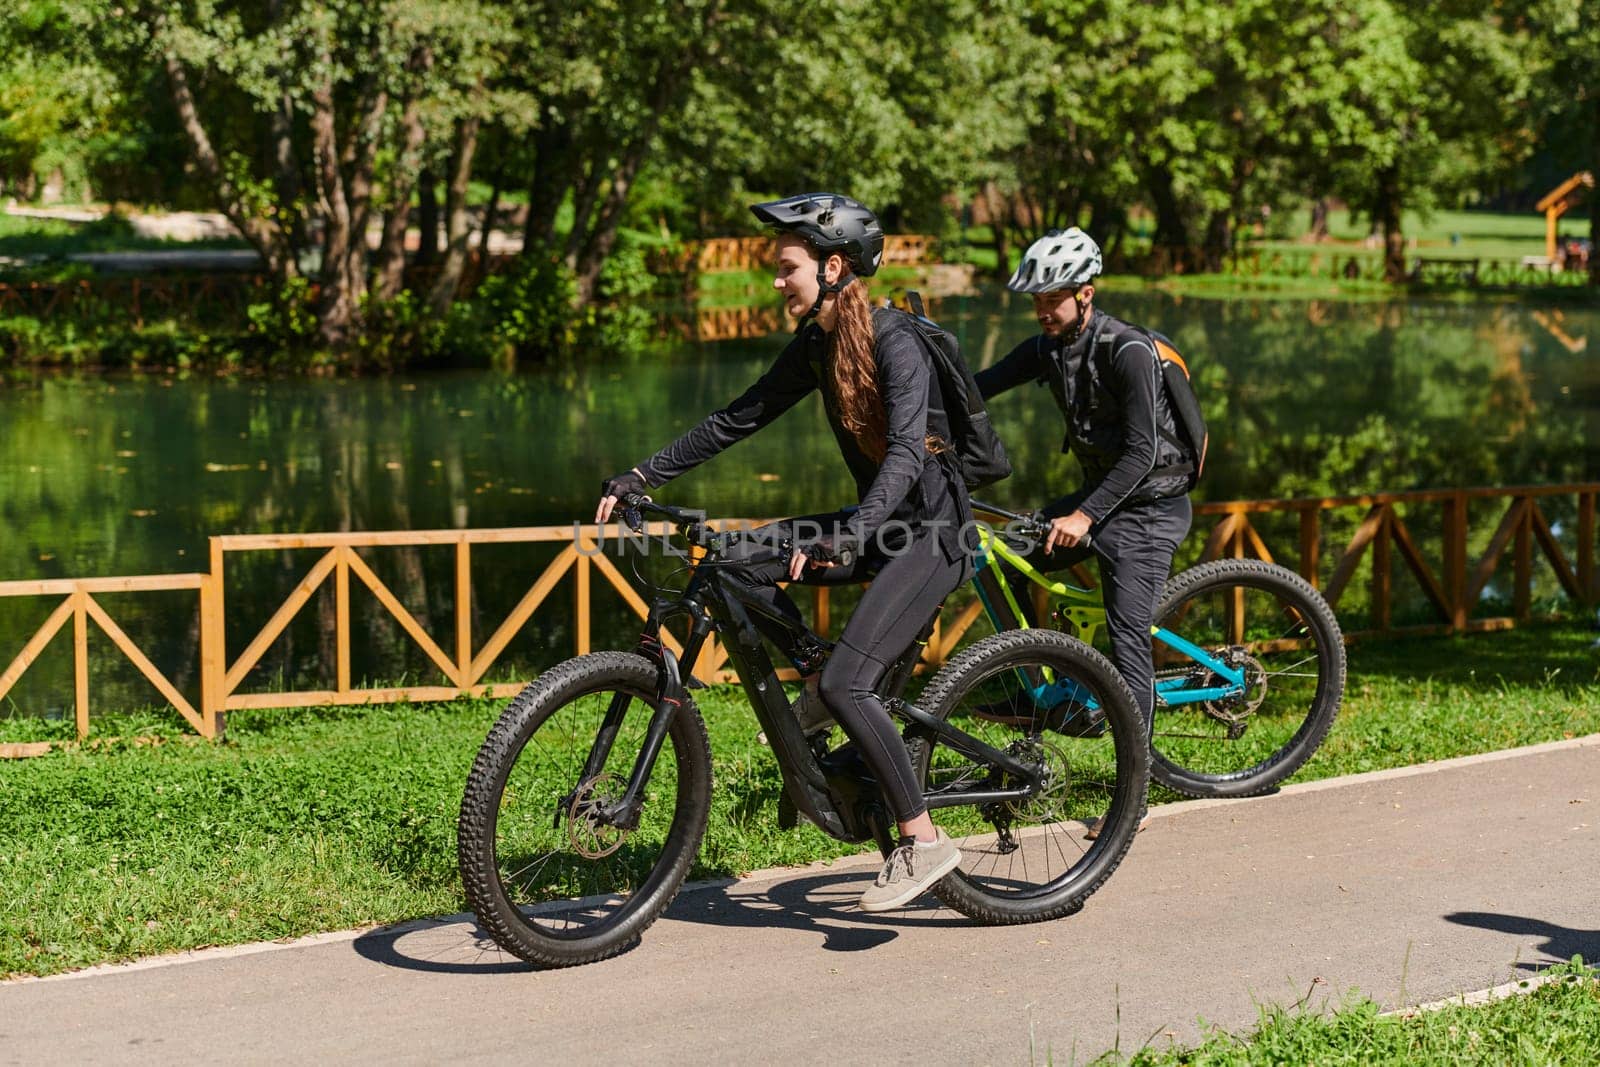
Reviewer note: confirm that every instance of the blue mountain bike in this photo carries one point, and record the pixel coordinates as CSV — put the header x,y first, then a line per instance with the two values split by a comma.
x,y
1249,659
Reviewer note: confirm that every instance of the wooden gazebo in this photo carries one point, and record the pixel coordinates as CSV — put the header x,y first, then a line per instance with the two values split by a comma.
x,y
1554,205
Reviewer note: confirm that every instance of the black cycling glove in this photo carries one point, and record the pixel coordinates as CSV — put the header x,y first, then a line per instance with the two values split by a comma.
x,y
621,485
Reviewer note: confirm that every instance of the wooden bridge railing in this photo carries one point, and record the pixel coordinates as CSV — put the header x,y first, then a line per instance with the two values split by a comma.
x,y
1451,590
716,255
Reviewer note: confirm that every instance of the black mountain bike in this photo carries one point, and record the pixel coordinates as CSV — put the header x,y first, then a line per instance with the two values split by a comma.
x,y
586,805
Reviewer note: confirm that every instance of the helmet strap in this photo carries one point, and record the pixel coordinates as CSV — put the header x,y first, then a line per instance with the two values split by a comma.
x,y
1082,320
824,287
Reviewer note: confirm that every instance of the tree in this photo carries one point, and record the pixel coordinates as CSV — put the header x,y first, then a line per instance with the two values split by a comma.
x,y
1434,105
1568,32
308,119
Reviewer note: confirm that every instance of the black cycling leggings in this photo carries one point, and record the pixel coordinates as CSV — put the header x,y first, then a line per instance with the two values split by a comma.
x,y
910,577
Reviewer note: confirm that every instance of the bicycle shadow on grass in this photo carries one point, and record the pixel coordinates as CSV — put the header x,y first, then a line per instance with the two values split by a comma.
x,y
1560,942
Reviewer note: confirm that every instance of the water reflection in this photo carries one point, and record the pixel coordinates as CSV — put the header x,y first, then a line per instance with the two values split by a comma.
x,y
130,475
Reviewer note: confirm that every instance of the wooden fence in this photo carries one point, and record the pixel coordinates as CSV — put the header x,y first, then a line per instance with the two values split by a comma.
x,y
717,255
1451,586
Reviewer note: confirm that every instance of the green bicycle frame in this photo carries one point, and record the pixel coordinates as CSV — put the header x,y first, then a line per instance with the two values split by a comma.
x,y
1083,610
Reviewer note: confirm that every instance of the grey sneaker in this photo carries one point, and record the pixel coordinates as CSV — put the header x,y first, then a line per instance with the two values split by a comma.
x,y
812,714
910,871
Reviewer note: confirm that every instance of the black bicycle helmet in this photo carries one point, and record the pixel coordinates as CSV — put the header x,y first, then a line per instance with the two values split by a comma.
x,y
829,223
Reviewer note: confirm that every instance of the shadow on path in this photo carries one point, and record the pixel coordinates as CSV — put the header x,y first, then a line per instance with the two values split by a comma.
x,y
1561,942
467,949
824,904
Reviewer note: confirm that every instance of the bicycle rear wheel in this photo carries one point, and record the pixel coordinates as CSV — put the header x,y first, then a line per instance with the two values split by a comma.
x,y
549,878
1031,860
1269,625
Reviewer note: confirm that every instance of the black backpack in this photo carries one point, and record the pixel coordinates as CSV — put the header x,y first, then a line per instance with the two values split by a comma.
x,y
1193,436
977,447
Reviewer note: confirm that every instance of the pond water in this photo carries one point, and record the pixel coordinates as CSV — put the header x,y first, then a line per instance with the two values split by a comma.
x,y
130,475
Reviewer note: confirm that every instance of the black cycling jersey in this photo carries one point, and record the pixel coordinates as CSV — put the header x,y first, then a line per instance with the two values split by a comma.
x,y
911,485
1108,386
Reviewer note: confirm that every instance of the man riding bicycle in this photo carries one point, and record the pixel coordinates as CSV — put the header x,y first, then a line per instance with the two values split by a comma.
x,y
1106,378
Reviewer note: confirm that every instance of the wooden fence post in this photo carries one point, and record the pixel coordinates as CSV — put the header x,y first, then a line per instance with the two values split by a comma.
x,y
581,566
1381,576
1310,543
463,610
1455,560
213,649
1522,586
80,659
1586,545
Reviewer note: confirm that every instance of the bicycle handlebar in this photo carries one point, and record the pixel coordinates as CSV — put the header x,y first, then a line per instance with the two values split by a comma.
x,y
1034,525
692,523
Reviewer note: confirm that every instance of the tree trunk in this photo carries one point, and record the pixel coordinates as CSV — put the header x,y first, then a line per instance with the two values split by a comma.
x,y
286,167
1319,220
337,306
458,219
1594,198
1218,232
582,208
1387,216
360,155
392,250
265,235
552,177
1172,231
489,213
603,237
994,202
428,217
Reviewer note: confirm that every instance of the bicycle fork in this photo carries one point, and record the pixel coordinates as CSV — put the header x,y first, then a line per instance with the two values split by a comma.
x,y
623,812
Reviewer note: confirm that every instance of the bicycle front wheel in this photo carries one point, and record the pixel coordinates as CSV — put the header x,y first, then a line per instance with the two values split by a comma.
x,y
1056,705
550,876
1240,730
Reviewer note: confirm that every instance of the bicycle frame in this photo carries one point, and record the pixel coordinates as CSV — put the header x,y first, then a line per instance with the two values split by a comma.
x,y
1083,610
834,790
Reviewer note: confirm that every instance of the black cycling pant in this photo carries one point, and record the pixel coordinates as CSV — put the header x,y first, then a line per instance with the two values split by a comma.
x,y
1135,544
911,575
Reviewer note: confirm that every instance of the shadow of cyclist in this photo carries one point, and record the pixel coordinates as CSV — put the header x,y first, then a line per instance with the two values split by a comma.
x,y
1561,942
824,904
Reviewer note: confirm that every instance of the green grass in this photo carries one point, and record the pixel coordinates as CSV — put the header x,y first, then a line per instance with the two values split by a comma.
x,y
22,238
1448,234
321,819
1555,1023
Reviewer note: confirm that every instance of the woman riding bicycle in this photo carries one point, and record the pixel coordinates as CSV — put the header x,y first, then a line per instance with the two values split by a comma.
x,y
877,383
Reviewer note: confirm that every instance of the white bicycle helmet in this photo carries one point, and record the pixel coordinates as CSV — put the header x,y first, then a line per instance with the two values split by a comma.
x,y
1061,259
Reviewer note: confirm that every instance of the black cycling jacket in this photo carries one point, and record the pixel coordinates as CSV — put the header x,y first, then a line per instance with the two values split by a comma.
x,y
1108,386
910,485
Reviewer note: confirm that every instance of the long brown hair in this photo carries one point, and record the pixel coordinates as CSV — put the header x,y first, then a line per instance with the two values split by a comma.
x,y
854,372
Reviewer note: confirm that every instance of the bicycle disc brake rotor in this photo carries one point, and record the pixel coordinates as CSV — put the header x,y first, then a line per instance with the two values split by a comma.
x,y
1049,803
591,835
1235,710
